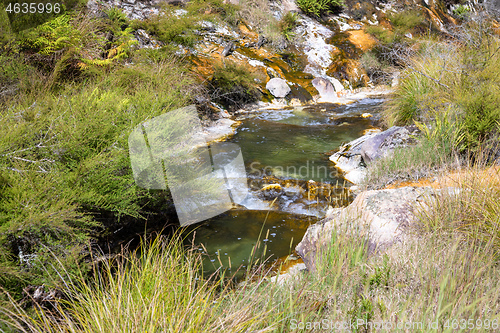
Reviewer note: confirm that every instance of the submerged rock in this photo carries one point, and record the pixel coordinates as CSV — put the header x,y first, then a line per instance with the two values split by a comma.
x,y
381,216
278,87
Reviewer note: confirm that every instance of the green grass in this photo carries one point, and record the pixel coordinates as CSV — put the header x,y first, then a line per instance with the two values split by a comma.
x,y
464,77
319,7
159,288
64,166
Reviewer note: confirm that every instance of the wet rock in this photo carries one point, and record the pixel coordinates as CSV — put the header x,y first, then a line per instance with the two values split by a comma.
x,y
261,41
278,87
325,89
381,216
382,144
134,9
337,85
271,191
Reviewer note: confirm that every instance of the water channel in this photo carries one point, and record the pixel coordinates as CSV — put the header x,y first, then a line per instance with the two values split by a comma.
x,y
286,153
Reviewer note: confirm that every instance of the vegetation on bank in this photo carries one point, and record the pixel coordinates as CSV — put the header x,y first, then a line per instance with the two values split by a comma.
x,y
159,288
319,7
64,175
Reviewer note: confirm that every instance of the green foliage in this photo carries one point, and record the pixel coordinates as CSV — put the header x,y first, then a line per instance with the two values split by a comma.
x,y
378,71
383,34
175,26
64,161
461,11
52,36
287,23
464,77
233,85
319,7
407,20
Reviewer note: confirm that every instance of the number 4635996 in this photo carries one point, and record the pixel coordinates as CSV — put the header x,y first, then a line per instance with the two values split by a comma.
x,y
33,8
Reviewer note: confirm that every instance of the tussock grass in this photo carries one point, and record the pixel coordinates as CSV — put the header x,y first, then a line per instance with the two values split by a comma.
x,y
434,276
462,74
473,209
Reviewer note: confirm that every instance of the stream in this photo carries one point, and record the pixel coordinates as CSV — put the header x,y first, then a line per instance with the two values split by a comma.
x,y
290,179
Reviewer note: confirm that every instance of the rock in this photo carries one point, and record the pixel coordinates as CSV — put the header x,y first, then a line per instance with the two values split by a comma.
x,y
382,215
146,41
337,85
325,89
228,49
352,157
288,276
382,144
261,41
271,191
278,87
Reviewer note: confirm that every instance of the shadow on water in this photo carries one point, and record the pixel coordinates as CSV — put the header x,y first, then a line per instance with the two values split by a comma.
x,y
227,241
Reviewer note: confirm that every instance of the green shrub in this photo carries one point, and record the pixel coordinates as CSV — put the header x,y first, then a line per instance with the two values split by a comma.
x,y
64,167
466,77
233,86
407,20
319,7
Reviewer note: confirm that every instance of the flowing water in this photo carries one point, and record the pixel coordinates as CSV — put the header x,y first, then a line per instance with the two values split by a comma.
x,y
288,150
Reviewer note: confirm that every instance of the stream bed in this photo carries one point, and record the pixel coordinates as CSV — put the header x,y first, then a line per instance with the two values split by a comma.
x,y
290,179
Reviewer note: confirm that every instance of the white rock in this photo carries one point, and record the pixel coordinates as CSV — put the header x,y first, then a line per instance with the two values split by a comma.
x,y
278,87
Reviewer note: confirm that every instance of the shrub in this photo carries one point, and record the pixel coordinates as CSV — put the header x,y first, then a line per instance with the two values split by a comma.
x,y
444,74
379,72
407,20
461,11
64,154
233,86
319,7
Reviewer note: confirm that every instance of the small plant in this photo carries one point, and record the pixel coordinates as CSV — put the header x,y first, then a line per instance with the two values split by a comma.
x,y
319,7
287,23
461,11
407,20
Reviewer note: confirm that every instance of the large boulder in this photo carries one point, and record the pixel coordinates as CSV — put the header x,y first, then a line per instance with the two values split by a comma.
x,y
382,215
278,87
352,157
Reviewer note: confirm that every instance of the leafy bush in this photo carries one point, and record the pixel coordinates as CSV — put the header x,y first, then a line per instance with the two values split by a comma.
x,y
379,72
319,7
461,11
64,155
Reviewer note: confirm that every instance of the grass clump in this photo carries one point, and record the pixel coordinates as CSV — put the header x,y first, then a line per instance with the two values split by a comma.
x,y
287,24
445,74
319,7
160,288
233,86
65,175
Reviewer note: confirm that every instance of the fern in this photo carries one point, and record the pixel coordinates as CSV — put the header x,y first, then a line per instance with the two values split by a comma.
x,y
55,35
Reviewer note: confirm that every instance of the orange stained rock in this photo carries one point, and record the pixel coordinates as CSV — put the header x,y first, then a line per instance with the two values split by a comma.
x,y
247,32
483,177
362,40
